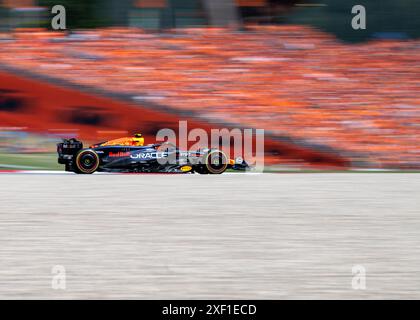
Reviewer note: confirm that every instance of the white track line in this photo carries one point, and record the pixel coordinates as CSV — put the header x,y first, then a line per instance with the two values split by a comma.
x,y
52,172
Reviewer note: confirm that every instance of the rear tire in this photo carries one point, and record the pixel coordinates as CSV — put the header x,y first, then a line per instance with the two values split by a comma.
x,y
87,162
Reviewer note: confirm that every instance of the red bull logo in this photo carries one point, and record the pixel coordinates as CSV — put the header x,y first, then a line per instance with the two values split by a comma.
x,y
119,154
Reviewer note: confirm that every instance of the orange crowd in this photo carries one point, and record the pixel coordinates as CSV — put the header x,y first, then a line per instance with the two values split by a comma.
x,y
361,99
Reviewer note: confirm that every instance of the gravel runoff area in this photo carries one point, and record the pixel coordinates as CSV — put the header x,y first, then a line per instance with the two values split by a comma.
x,y
232,236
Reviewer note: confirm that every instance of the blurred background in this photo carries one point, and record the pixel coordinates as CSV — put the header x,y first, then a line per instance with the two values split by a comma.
x,y
328,96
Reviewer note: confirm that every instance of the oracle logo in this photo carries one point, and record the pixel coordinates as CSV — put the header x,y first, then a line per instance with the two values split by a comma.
x,y
154,155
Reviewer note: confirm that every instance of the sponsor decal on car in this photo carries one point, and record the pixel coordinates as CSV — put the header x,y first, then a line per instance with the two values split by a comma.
x,y
186,168
118,154
144,155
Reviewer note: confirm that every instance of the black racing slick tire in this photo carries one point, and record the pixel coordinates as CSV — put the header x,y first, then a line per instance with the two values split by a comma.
x,y
87,162
215,162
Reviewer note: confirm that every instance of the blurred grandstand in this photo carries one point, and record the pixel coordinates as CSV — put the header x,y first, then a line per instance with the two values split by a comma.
x,y
245,63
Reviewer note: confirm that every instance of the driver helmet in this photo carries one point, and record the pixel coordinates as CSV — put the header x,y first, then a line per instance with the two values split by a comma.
x,y
138,139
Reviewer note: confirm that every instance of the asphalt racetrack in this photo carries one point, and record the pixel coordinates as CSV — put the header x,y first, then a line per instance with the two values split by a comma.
x,y
232,236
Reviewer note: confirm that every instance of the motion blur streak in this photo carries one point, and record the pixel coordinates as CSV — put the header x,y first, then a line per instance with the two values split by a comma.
x,y
232,236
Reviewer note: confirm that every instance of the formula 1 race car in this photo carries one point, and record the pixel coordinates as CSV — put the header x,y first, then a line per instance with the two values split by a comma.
x,y
130,155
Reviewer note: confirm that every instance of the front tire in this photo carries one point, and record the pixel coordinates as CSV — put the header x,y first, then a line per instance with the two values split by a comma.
x,y
215,162
87,162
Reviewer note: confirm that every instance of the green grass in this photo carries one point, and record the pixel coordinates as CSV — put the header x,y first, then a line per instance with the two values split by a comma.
x,y
277,170
46,161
